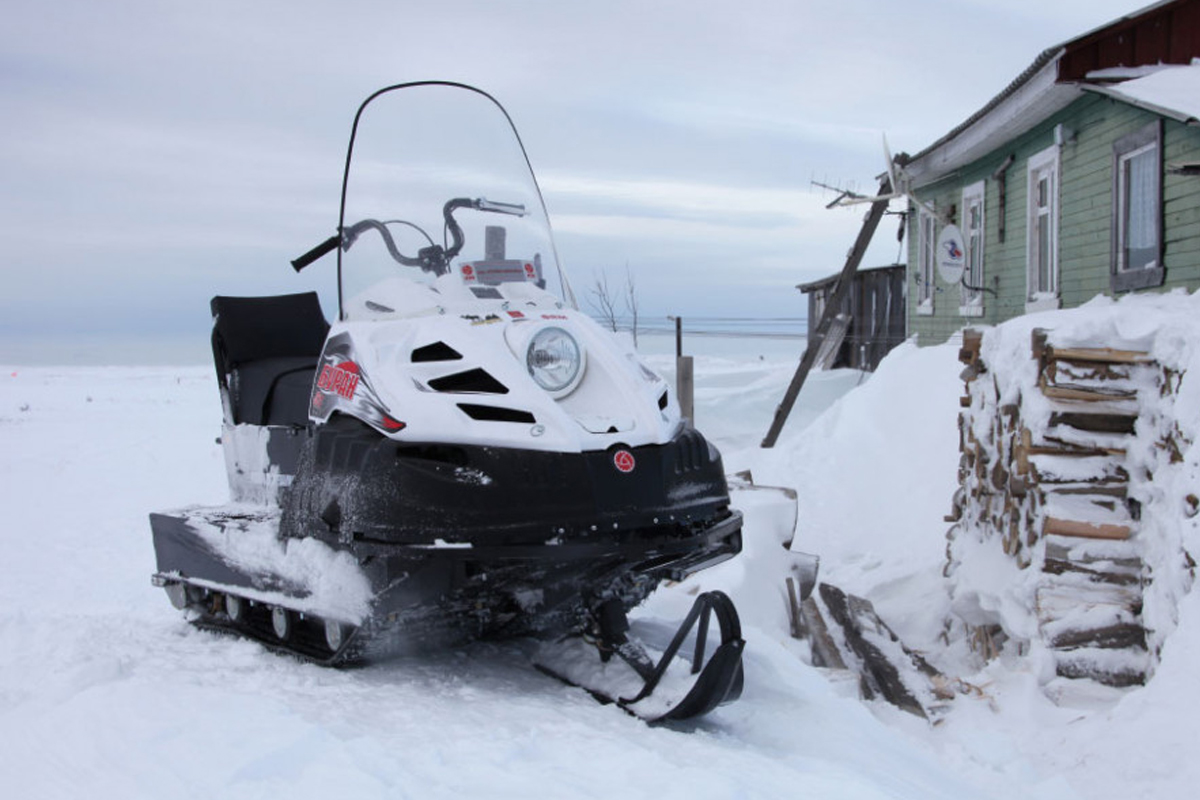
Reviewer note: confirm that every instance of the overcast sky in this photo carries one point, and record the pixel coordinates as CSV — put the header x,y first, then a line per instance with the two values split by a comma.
x,y
153,154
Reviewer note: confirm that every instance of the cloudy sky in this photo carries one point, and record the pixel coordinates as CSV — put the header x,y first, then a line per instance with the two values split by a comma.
x,y
153,154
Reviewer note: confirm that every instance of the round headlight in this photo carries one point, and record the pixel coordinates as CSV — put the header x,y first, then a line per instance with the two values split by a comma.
x,y
554,360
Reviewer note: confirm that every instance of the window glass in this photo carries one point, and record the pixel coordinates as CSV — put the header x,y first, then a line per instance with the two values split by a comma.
x,y
926,244
1042,255
1139,198
973,237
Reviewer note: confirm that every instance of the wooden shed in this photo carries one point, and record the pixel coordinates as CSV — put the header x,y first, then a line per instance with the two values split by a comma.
x,y
872,317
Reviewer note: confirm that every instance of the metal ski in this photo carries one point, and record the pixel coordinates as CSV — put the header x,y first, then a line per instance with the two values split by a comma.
x,y
669,689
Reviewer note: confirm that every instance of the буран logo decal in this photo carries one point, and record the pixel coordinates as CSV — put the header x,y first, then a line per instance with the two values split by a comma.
x,y
341,378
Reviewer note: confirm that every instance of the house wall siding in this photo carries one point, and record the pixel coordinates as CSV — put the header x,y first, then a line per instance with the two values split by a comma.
x,y
1085,215
1181,208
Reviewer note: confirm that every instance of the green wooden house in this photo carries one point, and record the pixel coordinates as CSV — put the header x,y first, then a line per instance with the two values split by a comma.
x,y
1081,178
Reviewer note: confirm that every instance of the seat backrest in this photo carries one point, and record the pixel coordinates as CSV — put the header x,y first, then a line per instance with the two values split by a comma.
x,y
265,350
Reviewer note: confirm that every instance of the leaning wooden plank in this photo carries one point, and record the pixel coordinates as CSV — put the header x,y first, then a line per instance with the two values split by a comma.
x,y
903,677
824,649
1086,530
832,344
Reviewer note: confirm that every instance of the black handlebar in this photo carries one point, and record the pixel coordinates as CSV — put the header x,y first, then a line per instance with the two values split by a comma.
x,y
312,255
434,258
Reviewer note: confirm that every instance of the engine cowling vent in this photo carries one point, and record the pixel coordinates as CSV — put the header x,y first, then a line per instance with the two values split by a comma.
x,y
691,452
482,413
437,351
476,381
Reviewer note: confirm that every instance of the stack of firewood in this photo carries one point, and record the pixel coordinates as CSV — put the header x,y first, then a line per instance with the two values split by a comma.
x,y
1045,476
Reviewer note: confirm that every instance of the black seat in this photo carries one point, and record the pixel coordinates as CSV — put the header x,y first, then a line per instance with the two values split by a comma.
x,y
266,351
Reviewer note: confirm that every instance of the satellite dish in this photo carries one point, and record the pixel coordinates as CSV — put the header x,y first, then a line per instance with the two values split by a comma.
x,y
893,178
951,257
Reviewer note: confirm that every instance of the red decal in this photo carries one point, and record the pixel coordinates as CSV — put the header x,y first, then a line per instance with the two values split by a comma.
x,y
624,461
529,271
468,273
391,424
516,315
341,379
554,316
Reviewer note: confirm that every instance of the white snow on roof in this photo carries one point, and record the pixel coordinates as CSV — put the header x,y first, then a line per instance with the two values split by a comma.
x,y
1172,89
1123,73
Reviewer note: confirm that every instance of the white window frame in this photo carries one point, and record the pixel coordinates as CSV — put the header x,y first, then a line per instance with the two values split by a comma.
x,y
1038,297
926,252
971,300
1145,140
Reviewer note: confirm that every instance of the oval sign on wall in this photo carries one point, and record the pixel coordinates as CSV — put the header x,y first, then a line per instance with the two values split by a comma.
x,y
951,255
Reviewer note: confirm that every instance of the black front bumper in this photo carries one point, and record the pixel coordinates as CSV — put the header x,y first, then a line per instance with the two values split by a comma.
x,y
355,487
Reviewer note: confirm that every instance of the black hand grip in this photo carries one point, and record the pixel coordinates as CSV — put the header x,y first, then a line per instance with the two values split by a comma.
x,y
312,255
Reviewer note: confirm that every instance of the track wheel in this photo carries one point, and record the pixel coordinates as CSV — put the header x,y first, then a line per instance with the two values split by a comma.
x,y
335,634
282,622
178,595
235,608
183,596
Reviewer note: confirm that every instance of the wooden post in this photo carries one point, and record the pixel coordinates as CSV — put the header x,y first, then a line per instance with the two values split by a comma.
x,y
832,306
685,387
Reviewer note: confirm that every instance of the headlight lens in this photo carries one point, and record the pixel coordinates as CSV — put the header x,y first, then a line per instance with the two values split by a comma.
x,y
554,360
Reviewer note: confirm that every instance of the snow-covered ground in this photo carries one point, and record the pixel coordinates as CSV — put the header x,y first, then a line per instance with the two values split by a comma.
x,y
106,692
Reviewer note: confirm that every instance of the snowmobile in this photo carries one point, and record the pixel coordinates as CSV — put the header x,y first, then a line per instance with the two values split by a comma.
x,y
462,453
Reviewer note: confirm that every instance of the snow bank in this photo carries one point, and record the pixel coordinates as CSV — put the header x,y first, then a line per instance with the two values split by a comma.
x,y
874,476
876,473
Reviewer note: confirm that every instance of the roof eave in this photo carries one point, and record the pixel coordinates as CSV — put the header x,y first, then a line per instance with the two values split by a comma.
x,y
1031,98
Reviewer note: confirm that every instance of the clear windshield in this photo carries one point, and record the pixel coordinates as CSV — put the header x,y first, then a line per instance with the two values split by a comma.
x,y
437,183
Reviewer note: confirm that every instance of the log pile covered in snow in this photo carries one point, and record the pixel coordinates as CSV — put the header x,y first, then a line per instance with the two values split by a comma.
x,y
1076,484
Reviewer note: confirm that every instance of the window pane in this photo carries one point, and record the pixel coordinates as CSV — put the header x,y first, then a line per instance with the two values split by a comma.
x,y
1140,201
1043,253
925,291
